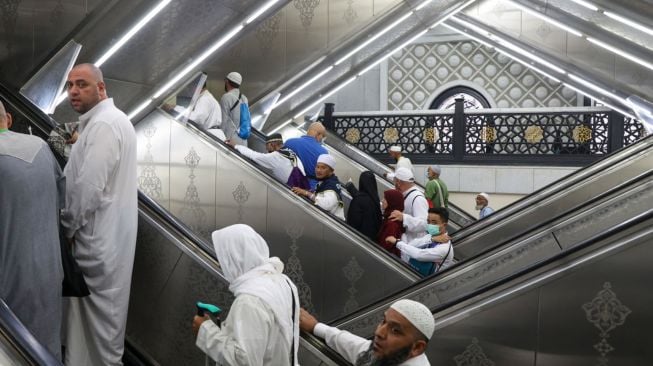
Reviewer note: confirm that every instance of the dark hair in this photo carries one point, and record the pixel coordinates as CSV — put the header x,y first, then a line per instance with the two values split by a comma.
x,y
440,211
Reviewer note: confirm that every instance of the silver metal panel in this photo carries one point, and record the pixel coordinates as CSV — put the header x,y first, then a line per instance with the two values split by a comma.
x,y
590,308
559,198
504,335
607,214
210,188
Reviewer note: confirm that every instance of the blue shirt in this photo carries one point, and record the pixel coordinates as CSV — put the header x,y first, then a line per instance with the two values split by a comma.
x,y
486,211
308,150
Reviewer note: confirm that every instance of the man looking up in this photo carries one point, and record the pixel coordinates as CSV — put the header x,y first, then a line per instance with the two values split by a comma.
x,y
327,194
100,220
30,252
400,339
309,148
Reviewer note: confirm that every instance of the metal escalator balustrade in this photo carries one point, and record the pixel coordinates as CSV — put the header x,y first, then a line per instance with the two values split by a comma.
x,y
174,267
566,233
207,186
560,197
561,311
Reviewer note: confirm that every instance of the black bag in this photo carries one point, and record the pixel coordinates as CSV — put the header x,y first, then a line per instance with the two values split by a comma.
x,y
73,283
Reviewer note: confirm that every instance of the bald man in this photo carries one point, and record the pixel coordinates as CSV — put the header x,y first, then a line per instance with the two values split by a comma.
x,y
30,252
100,220
309,148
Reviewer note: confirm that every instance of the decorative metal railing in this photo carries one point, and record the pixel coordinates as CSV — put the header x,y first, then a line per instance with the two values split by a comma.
x,y
556,136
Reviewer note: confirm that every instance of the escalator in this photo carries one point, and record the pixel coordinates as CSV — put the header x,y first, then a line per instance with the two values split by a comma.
x,y
585,305
17,345
351,162
561,197
173,268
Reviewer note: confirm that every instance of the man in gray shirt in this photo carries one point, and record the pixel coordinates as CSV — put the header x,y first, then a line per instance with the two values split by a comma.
x,y
30,252
230,104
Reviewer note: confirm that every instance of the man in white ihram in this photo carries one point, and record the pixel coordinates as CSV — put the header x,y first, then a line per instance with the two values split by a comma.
x,y
100,220
207,113
401,338
415,215
402,161
262,327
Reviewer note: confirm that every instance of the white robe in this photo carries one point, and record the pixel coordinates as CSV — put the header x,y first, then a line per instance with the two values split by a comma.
x,y
442,254
402,162
260,328
416,211
206,111
231,115
350,346
278,164
102,215
329,201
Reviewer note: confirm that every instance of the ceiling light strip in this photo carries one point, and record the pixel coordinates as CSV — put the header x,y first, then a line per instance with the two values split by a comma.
x,y
132,32
629,22
300,88
335,90
598,88
597,99
373,38
621,53
546,18
586,4
260,11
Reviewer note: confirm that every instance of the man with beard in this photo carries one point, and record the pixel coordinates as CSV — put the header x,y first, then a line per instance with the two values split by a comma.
x,y
327,194
401,338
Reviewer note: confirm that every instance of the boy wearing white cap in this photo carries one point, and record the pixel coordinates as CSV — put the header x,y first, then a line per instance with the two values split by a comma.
x,y
230,107
400,339
482,201
402,161
327,193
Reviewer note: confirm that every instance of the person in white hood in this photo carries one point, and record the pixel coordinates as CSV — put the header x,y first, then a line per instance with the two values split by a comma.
x,y
262,327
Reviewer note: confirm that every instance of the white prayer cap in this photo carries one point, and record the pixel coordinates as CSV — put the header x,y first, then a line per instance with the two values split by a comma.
x,y
235,77
328,160
436,169
485,195
417,314
404,174
395,148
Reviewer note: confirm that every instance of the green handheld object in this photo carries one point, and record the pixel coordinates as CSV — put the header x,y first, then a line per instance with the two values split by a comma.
x,y
202,308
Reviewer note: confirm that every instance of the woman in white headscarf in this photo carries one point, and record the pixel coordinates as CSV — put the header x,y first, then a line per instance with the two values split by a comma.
x,y
262,327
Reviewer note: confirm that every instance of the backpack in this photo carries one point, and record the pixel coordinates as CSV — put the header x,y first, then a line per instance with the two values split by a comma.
x,y
245,128
296,177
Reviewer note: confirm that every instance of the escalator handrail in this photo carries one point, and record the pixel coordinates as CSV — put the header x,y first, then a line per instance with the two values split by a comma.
x,y
624,225
22,338
19,102
367,244
561,184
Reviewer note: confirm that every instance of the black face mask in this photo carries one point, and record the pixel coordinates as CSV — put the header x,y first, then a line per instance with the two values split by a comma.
x,y
367,358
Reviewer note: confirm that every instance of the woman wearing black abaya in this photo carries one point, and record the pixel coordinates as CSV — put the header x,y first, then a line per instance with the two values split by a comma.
x,y
364,212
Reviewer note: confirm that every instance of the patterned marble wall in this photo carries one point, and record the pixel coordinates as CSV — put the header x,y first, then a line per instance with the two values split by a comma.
x,y
418,73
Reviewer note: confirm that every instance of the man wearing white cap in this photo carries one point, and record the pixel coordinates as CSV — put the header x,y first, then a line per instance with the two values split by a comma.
x,y
327,193
402,161
436,191
230,103
482,201
401,338
415,215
